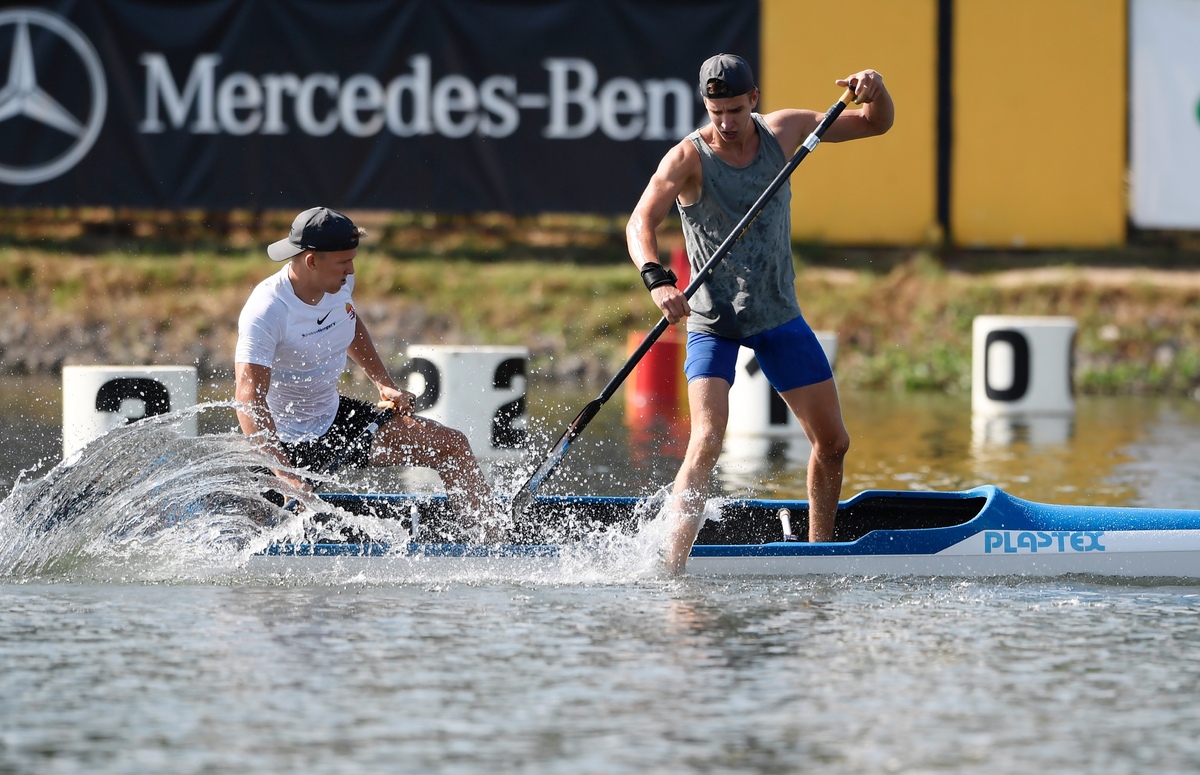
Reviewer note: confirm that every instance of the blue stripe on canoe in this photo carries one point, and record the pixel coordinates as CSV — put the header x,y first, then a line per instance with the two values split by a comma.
x,y
408,550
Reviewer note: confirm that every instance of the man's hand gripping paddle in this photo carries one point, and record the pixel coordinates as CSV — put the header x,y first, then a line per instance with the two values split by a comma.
x,y
524,496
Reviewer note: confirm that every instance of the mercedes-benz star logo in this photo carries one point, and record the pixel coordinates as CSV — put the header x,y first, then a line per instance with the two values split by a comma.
x,y
21,95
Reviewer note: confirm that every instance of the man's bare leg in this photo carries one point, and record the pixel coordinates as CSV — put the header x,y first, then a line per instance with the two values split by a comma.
x,y
708,400
820,415
421,442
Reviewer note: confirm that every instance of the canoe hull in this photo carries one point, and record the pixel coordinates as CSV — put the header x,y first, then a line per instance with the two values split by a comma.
x,y
1171,560
982,532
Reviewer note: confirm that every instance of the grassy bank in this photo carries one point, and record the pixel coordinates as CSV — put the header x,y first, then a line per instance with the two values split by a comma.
x,y
903,317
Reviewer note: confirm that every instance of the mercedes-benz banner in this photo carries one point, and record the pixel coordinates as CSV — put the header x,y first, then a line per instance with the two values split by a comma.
x,y
441,105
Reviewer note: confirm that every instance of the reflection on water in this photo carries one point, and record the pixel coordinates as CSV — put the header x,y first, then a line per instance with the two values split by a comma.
x,y
1112,451
921,441
1004,431
1161,466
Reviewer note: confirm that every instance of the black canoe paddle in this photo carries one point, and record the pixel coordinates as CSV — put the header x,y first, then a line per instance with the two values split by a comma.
x,y
524,496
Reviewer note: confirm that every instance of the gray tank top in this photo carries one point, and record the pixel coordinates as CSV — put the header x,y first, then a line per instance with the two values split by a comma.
x,y
753,288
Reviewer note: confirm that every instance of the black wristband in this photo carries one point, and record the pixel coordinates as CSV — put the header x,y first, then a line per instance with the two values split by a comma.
x,y
653,275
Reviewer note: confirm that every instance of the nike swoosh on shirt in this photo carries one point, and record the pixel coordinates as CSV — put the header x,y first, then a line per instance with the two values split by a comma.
x,y
321,319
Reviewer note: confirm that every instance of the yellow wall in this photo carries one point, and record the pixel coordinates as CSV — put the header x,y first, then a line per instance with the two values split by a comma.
x,y
881,190
1039,123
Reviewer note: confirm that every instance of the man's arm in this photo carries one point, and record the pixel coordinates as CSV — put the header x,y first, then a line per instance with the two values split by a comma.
x,y
678,175
250,391
362,351
878,112
876,116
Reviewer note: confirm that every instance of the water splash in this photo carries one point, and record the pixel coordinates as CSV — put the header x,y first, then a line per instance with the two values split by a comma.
x,y
596,555
615,555
147,503
143,501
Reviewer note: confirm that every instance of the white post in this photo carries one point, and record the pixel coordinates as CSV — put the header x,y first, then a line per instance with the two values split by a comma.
x,y
477,390
1022,365
97,399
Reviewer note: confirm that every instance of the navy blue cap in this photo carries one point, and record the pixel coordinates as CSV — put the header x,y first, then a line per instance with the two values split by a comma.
x,y
318,228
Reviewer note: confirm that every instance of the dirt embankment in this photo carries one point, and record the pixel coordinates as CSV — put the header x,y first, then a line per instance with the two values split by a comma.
x,y
903,325
67,310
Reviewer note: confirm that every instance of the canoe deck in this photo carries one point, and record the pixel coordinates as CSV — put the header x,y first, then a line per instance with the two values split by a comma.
x,y
563,519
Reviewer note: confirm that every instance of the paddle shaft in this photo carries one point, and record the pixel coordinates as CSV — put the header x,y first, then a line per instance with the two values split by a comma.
x,y
380,417
523,496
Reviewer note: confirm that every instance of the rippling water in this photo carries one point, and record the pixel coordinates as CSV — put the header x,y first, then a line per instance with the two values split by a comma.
x,y
767,675
132,640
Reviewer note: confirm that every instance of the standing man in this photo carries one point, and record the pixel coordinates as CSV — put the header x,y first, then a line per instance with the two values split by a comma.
x,y
294,334
714,176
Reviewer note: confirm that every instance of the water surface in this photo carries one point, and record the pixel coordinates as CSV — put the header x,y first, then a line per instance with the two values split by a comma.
x,y
133,640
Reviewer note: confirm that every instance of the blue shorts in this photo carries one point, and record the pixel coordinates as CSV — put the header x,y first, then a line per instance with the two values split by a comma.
x,y
789,355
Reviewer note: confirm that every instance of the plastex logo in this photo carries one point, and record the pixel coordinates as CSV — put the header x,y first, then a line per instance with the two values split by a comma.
x,y
44,44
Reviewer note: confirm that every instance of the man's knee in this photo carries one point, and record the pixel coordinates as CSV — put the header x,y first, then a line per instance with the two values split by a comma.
x,y
832,449
458,441
704,447
451,446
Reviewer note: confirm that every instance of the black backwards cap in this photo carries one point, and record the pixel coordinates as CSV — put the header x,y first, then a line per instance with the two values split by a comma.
x,y
725,75
319,229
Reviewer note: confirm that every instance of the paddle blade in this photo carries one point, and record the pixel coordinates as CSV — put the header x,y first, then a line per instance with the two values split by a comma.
x,y
524,496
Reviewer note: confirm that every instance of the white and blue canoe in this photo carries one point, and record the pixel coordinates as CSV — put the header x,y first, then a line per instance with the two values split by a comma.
x,y
978,532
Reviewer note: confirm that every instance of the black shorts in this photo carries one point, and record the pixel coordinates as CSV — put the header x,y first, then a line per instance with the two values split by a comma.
x,y
352,418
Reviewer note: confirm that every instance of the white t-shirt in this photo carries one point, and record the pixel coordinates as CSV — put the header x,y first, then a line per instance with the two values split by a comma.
x,y
305,347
